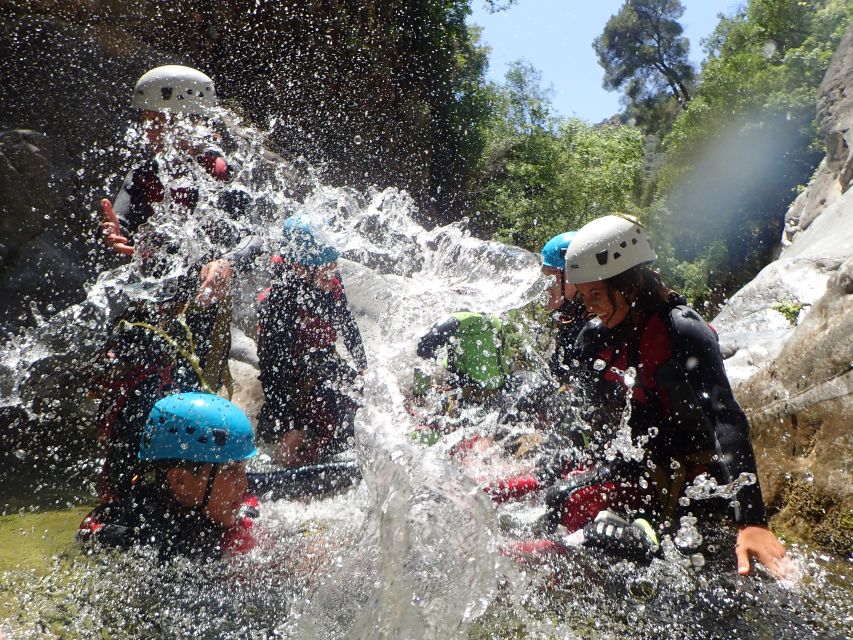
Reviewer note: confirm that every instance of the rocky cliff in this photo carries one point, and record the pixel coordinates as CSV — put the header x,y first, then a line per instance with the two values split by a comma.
x,y
788,340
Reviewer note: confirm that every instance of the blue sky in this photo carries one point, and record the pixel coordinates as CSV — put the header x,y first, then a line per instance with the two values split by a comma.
x,y
556,36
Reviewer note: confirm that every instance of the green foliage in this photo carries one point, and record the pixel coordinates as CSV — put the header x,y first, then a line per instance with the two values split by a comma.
x,y
642,50
790,309
541,175
735,157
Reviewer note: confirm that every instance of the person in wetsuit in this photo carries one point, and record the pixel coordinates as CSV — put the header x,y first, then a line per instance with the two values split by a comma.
x,y
549,404
310,404
652,366
563,300
475,342
180,341
190,498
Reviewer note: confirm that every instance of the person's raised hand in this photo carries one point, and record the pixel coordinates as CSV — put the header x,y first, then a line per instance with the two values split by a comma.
x,y
754,541
215,281
111,229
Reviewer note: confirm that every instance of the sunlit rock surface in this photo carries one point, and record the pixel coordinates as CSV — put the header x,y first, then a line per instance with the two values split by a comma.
x,y
788,340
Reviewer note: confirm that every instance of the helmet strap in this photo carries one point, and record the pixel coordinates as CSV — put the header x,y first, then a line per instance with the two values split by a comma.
x,y
214,471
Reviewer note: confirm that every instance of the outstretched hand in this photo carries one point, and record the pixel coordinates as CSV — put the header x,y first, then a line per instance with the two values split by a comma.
x,y
215,281
758,542
113,237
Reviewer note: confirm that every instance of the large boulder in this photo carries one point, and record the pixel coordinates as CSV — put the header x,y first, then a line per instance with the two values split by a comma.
x,y
788,339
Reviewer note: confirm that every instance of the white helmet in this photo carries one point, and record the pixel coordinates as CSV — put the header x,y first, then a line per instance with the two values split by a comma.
x,y
607,247
177,89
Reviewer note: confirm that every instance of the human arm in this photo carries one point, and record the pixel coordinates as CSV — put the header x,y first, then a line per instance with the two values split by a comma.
x,y
697,352
277,320
571,319
437,337
214,281
758,542
114,236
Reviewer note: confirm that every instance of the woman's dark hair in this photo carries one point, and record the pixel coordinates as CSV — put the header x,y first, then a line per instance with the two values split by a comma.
x,y
643,289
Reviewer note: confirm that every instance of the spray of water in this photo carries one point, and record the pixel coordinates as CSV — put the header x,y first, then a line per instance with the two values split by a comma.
x,y
412,551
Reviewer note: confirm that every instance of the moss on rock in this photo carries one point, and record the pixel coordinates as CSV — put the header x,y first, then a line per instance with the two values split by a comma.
x,y
809,514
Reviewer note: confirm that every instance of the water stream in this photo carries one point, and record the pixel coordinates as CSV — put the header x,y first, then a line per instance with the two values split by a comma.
x,y
412,551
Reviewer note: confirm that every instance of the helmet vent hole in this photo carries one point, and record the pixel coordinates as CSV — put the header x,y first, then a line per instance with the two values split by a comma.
x,y
625,244
189,92
167,92
190,429
203,440
220,437
633,241
617,255
602,257
173,429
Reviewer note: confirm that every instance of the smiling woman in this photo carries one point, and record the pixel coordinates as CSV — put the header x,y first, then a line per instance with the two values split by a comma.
x,y
654,349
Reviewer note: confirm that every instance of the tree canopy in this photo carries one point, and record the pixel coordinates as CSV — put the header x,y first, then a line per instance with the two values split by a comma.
x,y
643,51
541,175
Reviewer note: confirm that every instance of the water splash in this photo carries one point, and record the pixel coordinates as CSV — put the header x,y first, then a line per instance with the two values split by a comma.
x,y
411,552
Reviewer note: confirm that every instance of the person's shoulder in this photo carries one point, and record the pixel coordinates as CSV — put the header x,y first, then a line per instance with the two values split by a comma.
x,y
684,322
109,524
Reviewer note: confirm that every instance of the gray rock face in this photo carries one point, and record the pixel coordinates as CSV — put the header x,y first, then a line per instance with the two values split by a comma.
x,y
70,102
40,261
795,379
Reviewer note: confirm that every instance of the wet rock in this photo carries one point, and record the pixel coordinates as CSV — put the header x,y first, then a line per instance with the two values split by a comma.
x,y
788,340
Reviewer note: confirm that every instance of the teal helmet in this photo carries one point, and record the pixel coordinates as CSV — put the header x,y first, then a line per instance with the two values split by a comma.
x,y
554,251
300,245
197,427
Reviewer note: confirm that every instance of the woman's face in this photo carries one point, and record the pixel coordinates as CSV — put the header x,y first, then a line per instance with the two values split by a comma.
x,y
324,277
154,124
226,494
556,295
597,301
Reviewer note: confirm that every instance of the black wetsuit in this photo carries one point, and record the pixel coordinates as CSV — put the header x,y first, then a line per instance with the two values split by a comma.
x,y
149,517
306,383
572,316
143,188
682,405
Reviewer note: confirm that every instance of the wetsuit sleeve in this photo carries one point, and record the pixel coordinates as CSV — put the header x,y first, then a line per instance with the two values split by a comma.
x,y
132,205
696,353
437,337
109,525
345,323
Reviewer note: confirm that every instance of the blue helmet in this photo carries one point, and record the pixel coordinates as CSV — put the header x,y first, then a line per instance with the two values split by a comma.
x,y
554,251
302,247
197,427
